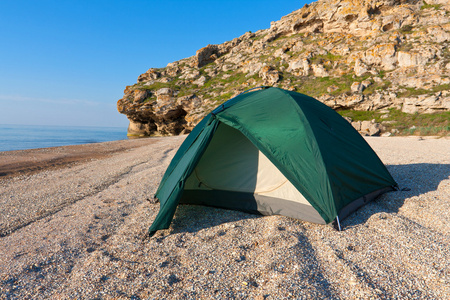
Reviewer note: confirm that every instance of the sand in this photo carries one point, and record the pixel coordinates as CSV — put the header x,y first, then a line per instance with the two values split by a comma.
x,y
73,223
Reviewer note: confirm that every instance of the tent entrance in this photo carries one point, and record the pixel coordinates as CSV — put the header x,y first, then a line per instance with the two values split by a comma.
x,y
233,173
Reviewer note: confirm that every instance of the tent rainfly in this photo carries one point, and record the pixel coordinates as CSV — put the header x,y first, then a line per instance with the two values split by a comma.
x,y
273,152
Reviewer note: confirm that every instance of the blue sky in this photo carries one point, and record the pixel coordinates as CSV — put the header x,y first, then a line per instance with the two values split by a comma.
x,y
68,62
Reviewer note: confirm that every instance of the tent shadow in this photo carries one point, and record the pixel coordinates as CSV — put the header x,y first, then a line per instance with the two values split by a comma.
x,y
310,273
417,179
193,218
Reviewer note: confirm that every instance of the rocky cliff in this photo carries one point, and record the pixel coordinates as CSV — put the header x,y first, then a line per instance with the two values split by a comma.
x,y
349,54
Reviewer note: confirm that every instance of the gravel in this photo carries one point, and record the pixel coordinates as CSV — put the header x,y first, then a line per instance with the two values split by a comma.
x,y
79,232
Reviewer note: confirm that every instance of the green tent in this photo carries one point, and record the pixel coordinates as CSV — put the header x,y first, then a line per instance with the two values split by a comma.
x,y
273,152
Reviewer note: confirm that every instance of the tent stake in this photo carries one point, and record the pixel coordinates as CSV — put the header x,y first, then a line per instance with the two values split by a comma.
x,y
339,223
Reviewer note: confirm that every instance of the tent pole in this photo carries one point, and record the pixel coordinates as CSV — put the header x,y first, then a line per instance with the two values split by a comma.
x,y
339,223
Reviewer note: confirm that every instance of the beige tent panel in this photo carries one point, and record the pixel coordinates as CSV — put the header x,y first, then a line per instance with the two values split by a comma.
x,y
232,163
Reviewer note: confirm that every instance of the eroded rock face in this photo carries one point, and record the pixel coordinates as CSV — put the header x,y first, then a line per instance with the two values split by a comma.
x,y
206,55
349,54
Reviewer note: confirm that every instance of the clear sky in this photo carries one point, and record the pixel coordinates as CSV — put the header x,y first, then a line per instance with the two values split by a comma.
x,y
67,62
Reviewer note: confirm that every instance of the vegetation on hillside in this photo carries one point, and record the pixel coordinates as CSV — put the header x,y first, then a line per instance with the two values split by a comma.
x,y
400,123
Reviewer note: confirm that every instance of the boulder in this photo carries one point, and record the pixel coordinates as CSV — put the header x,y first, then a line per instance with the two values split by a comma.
x,y
360,68
406,59
190,74
269,75
252,68
332,88
140,95
319,70
151,74
370,128
356,87
381,55
200,81
359,87
409,106
356,125
298,64
438,34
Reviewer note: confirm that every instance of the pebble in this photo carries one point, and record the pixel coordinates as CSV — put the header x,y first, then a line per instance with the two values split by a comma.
x,y
90,247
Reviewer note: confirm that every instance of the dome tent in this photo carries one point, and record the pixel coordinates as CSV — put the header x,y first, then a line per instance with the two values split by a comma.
x,y
273,151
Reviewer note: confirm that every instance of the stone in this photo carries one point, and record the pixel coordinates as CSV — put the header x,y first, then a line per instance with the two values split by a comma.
x,y
151,74
382,55
269,75
406,59
270,37
352,282
319,70
332,88
365,84
165,80
359,87
190,74
306,65
298,46
164,91
370,128
446,103
365,125
441,2
410,109
356,87
252,68
281,53
200,81
300,64
375,129
140,95
360,68
428,100
297,64
227,67
438,35
357,125
189,102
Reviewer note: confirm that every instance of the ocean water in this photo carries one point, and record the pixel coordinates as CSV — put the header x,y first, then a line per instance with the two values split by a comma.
x,y
20,137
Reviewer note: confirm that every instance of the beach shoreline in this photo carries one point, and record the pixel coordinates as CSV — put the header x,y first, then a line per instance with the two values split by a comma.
x,y
30,161
73,224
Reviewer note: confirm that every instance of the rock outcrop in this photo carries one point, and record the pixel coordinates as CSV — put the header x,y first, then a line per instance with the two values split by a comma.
x,y
349,54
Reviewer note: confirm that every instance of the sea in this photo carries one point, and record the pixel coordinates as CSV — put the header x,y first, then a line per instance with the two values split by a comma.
x,y
21,137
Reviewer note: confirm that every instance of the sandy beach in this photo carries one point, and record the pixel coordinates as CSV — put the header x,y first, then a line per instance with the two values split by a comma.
x,y
73,223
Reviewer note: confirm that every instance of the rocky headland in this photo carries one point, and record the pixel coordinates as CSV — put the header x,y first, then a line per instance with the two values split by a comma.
x,y
349,54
